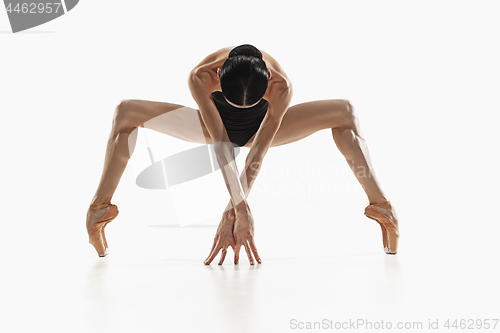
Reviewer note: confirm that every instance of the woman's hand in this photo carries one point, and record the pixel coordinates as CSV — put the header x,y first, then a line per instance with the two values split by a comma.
x,y
243,235
224,237
234,231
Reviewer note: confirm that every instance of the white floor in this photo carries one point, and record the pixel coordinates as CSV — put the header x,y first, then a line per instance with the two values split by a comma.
x,y
154,279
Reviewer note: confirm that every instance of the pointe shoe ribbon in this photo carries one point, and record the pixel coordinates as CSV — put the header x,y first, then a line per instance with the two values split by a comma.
x,y
390,230
96,235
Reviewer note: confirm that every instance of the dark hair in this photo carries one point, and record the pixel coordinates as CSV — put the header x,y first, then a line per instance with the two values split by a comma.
x,y
244,76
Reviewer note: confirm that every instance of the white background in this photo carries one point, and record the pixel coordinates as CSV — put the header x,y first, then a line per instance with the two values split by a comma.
x,y
424,79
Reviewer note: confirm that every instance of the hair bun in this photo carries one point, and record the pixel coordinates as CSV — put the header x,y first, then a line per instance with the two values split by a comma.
x,y
245,50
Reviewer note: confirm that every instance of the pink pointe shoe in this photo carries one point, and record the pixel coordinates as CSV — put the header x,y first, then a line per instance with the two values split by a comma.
x,y
390,230
96,234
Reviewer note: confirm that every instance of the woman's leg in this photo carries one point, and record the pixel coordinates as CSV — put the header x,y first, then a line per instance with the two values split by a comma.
x,y
305,119
171,119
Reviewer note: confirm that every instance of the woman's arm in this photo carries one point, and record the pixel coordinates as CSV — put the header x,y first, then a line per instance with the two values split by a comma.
x,y
279,95
239,222
201,82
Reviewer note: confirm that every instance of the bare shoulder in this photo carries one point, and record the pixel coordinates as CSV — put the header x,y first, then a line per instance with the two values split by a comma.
x,y
276,70
203,77
214,59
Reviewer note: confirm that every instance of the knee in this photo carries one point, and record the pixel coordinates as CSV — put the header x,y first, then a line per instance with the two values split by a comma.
x,y
343,114
123,118
346,116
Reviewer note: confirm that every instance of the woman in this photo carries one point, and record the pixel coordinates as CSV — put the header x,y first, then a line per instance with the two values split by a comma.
x,y
243,96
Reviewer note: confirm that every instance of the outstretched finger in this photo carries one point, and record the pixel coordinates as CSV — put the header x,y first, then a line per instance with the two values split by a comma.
x,y
213,254
216,240
237,253
254,250
249,253
223,255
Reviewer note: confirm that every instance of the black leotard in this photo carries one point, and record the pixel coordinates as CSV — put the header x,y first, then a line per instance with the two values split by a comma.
x,y
240,123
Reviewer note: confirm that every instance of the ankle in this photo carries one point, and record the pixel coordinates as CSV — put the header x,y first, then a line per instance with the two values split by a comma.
x,y
96,206
378,202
